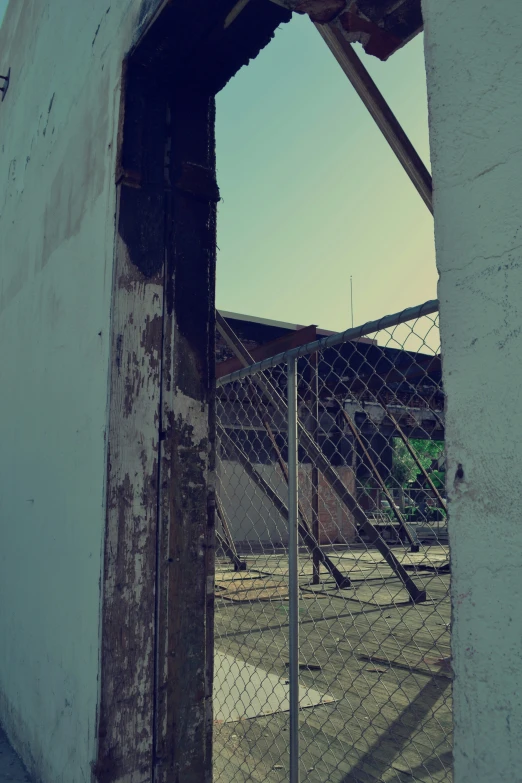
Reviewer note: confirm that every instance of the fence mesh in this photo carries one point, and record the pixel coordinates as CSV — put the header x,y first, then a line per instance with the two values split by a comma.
x,y
374,610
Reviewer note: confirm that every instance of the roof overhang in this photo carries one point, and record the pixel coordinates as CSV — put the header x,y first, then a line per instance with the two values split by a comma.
x,y
381,26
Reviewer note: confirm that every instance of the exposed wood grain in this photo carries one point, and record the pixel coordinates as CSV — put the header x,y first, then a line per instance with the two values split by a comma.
x,y
186,542
127,661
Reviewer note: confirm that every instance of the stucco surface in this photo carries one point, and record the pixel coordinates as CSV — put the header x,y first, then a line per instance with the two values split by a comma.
x,y
58,126
474,72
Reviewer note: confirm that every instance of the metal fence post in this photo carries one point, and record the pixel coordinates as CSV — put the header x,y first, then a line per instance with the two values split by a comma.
x,y
267,496
293,571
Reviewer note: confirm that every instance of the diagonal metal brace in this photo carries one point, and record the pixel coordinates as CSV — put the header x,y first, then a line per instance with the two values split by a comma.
x,y
381,112
341,581
315,454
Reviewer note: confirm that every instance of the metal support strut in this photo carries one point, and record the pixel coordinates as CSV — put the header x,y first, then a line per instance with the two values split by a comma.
x,y
293,571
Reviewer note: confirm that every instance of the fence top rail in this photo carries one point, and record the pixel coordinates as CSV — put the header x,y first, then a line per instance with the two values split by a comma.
x,y
386,322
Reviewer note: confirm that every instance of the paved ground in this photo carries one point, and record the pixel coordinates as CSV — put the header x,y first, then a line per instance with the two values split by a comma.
x,y
378,655
11,768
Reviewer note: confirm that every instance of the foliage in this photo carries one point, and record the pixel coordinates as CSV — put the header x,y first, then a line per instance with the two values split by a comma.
x,y
404,469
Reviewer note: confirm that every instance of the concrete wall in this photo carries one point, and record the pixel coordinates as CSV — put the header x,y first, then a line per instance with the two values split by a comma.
x,y
58,126
252,518
474,72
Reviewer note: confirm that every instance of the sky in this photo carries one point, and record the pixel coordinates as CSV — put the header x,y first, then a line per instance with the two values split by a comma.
x,y
311,192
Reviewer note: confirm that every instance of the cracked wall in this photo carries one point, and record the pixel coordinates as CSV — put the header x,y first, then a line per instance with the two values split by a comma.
x,y
58,129
474,70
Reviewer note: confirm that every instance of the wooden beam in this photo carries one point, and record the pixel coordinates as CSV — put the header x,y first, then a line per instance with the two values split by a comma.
x,y
376,104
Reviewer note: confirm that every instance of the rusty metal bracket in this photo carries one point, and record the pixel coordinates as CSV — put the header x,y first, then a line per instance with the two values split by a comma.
x,y
5,86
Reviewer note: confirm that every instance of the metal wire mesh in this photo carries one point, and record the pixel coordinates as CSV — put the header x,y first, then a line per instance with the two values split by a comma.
x,y
374,612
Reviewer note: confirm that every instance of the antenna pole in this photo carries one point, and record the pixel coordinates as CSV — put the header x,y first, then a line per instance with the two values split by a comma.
x,y
351,297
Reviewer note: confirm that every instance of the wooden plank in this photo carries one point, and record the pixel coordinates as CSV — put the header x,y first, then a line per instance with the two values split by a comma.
x,y
125,721
186,535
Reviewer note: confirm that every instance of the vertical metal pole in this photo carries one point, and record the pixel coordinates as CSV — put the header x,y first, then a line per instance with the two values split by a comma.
x,y
293,572
351,297
314,361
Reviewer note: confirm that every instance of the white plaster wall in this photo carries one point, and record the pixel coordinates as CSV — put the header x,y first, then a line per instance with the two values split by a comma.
x,y
58,125
474,72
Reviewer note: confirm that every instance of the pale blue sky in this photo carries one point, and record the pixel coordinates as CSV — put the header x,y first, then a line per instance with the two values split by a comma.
x,y
311,191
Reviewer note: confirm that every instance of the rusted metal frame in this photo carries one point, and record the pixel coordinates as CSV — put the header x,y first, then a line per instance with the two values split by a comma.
x,y
226,541
255,400
316,456
341,580
284,343
311,541
398,516
226,529
223,543
380,111
284,471
414,456
386,322
315,550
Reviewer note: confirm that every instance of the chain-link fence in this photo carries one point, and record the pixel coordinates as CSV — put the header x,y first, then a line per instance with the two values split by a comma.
x,y
332,656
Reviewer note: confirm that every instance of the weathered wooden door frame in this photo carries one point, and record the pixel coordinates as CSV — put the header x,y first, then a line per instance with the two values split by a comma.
x,y
155,711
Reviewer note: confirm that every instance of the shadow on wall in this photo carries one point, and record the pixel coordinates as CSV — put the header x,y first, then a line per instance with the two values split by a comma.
x,y
11,768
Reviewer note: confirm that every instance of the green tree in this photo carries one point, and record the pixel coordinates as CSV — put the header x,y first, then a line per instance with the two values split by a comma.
x,y
404,468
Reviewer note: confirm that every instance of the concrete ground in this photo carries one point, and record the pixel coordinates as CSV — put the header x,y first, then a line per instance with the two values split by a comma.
x,y
380,658
11,768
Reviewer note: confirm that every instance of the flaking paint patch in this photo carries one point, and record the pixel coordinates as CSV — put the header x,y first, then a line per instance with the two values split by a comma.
x,y
193,414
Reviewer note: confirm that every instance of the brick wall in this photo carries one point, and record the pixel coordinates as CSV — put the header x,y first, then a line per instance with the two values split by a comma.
x,y
336,524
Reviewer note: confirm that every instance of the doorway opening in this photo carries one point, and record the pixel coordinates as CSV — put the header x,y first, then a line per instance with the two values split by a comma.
x,y
158,663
